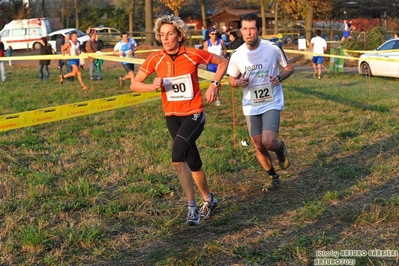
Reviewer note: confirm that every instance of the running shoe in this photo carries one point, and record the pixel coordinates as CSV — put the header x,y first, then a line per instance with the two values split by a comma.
x,y
275,185
282,156
319,77
193,216
207,207
315,74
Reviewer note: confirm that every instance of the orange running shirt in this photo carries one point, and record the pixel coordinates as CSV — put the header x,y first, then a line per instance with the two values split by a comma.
x,y
186,62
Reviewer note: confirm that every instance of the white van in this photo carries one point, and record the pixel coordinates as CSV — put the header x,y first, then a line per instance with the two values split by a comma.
x,y
25,33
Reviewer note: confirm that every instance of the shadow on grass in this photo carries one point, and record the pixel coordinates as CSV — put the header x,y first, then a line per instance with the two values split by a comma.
x,y
272,228
341,100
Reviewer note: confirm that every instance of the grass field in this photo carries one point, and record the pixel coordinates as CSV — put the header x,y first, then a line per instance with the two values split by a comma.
x,y
101,190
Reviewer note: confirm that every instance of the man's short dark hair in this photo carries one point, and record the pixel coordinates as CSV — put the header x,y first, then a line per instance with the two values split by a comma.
x,y
123,33
318,32
252,17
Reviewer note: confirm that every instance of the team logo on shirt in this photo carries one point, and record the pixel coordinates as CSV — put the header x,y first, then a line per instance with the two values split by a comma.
x,y
253,67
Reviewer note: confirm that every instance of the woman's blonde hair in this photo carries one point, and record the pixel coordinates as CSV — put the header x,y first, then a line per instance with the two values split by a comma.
x,y
177,22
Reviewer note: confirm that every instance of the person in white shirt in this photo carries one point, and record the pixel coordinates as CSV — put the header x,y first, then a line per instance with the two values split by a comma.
x,y
318,46
125,48
255,66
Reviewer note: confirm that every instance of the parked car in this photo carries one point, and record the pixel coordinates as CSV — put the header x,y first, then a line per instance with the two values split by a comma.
x,y
370,65
107,36
82,37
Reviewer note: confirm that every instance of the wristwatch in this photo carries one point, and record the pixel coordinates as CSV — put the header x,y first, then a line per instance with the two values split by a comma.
x,y
217,83
279,78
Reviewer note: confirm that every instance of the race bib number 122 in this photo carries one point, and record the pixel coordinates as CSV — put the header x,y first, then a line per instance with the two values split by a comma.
x,y
261,94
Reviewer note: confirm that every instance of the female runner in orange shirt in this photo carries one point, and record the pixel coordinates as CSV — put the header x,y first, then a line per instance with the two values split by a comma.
x,y
176,67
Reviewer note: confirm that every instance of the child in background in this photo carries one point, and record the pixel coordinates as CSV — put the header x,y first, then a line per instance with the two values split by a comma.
x,y
9,54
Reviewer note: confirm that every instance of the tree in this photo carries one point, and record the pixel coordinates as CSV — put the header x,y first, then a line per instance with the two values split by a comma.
x,y
308,10
66,12
203,13
13,9
76,13
148,22
42,13
128,6
174,5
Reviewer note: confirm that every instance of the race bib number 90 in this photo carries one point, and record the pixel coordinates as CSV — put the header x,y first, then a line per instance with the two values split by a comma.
x,y
179,88
262,94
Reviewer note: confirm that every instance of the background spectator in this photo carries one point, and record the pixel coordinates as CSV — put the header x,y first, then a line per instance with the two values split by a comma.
x,y
45,49
59,42
235,41
2,67
92,46
9,54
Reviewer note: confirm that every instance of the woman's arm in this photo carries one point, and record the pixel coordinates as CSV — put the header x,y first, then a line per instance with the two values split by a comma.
x,y
138,85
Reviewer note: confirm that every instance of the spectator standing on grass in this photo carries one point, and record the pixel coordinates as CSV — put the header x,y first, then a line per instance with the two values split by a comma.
x,y
45,49
125,48
176,68
59,42
9,54
73,48
362,38
2,67
255,66
92,46
215,45
318,45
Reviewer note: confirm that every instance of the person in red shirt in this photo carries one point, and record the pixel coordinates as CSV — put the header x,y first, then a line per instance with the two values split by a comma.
x,y
176,67
2,67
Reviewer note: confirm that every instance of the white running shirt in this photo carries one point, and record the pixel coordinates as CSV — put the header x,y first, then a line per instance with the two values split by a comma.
x,y
318,44
259,65
216,49
74,48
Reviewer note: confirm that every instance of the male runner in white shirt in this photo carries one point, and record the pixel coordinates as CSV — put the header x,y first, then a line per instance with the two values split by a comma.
x,y
255,67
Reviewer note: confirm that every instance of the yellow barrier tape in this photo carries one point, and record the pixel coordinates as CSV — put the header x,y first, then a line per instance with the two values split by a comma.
x,y
51,114
324,55
101,55
67,111
108,56
373,51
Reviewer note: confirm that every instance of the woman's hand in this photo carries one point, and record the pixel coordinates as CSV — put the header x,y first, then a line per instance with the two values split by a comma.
x,y
157,83
211,93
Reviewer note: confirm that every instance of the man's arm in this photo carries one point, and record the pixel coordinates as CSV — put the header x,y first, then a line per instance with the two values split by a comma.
x,y
287,71
65,48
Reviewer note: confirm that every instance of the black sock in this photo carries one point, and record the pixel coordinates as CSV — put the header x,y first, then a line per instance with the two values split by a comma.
x,y
281,149
271,171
